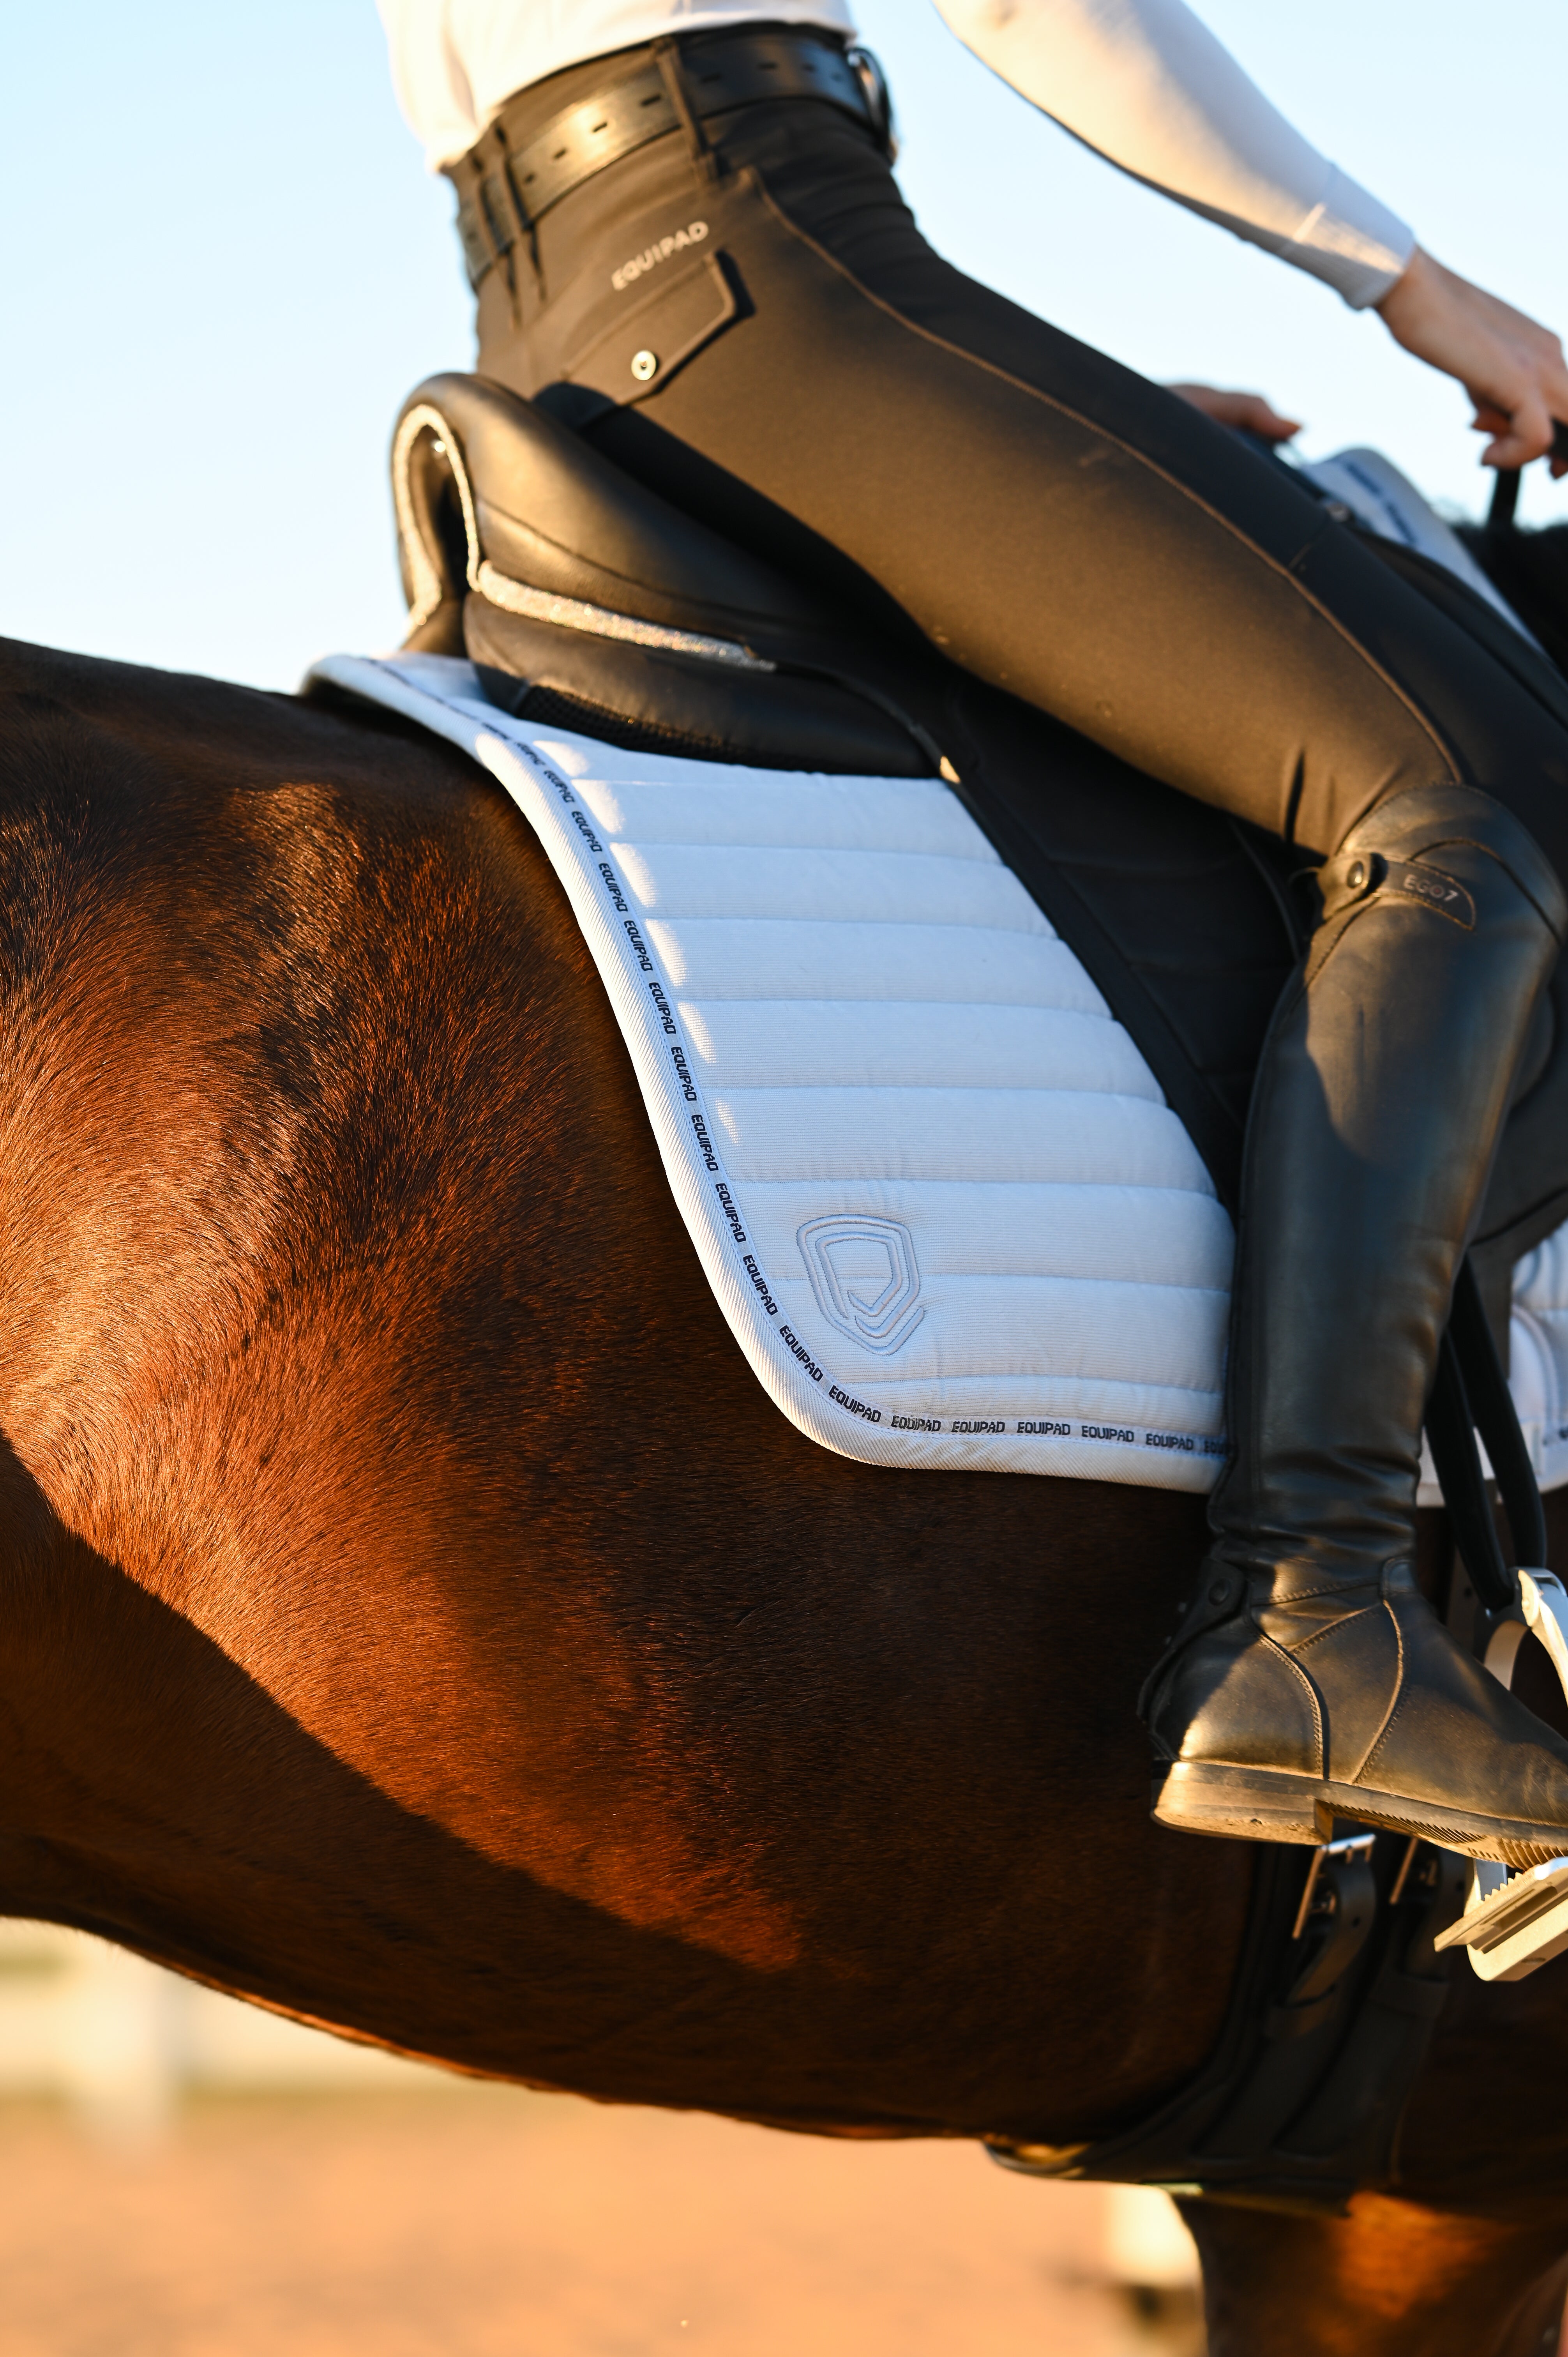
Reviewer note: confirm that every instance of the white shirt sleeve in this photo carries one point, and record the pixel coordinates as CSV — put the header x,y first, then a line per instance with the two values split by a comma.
x,y
1149,88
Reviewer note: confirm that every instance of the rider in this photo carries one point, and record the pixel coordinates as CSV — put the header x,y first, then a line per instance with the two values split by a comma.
x,y
843,400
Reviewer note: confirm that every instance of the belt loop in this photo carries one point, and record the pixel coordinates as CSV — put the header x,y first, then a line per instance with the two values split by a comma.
x,y
667,57
493,196
528,229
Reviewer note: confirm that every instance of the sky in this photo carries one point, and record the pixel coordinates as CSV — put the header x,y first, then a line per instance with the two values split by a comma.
x,y
225,266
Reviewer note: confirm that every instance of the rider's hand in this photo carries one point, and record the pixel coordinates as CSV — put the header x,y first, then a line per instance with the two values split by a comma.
x,y
1512,369
1249,411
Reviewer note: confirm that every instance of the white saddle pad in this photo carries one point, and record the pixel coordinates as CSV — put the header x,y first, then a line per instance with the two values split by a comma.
x,y
936,1188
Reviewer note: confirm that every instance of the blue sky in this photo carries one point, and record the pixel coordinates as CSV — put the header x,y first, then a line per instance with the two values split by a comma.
x,y
224,267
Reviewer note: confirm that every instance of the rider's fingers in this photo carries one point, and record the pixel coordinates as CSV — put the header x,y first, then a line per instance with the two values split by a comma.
x,y
1528,435
1249,411
1489,419
1261,418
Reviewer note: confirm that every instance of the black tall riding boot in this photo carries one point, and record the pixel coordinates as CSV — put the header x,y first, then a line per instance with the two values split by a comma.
x,y
1309,1679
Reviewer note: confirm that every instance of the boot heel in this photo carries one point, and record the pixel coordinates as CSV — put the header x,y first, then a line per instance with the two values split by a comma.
x,y
1201,1796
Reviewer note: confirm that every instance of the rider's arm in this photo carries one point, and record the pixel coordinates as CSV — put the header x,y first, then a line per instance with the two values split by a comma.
x,y
1149,88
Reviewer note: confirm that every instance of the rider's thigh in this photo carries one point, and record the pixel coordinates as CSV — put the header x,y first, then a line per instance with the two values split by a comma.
x,y
1056,523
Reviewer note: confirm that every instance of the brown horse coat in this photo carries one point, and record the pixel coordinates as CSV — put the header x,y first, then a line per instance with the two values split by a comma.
x,y
412,1614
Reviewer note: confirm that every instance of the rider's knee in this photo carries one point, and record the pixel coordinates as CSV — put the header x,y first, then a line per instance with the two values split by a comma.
x,y
1463,832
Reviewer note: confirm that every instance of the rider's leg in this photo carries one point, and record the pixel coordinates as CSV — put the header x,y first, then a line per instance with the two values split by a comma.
x,y
1070,532
1308,1674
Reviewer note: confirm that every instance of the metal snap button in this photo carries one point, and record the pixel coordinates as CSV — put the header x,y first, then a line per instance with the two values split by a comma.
x,y
644,365
1356,875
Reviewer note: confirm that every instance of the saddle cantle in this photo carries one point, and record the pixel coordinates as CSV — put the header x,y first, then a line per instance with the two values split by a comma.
x,y
586,602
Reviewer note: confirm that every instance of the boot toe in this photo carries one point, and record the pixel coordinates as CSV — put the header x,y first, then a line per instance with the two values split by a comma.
x,y
1459,1743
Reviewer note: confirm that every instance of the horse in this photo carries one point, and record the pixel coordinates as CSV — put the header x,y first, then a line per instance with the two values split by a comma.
x,y
415,1620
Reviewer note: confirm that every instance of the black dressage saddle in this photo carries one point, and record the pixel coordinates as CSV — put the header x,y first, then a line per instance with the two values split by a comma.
x,y
587,602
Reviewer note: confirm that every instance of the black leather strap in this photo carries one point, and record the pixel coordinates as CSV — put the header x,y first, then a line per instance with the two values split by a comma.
x,y
1300,2103
1497,1419
532,165
1451,1430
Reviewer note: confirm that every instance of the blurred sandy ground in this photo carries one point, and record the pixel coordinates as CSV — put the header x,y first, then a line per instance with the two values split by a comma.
x,y
491,2224
401,2214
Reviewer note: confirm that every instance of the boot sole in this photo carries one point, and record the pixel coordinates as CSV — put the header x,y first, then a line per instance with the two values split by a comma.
x,y
1200,1796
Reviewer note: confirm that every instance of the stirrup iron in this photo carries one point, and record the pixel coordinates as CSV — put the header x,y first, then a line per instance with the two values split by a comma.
x,y
1514,1923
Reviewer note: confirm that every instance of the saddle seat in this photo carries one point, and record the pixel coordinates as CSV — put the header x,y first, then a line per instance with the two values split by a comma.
x,y
585,601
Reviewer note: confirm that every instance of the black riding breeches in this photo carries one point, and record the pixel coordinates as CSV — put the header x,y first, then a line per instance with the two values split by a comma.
x,y
761,332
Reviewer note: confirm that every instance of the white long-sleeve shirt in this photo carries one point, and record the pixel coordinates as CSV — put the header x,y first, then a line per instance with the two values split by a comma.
x,y
1143,83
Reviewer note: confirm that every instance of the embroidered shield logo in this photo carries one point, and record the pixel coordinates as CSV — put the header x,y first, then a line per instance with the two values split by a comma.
x,y
864,1273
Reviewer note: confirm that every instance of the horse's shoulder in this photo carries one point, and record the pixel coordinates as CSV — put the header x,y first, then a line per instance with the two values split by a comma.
x,y
283,991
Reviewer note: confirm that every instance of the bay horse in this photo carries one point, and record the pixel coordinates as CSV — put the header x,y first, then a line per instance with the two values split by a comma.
x,y
414,1618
